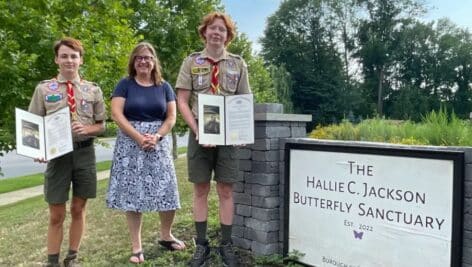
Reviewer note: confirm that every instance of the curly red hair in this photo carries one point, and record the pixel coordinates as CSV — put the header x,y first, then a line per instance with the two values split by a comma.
x,y
210,17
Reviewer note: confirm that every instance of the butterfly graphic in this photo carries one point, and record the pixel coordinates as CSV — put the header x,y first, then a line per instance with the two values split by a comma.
x,y
358,235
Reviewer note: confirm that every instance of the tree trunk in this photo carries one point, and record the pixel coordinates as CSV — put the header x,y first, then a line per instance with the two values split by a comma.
x,y
345,40
380,93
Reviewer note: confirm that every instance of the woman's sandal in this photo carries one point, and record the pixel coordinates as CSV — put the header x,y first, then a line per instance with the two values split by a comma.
x,y
137,258
172,245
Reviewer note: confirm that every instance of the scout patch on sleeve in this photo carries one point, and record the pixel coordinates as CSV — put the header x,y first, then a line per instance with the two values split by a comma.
x,y
85,105
53,86
199,60
232,79
231,64
84,88
200,70
53,97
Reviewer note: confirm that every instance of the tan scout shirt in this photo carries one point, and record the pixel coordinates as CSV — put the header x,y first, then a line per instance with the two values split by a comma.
x,y
195,75
51,95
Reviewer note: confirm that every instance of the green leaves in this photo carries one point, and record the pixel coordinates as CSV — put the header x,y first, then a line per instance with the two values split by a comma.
x,y
28,31
299,37
367,58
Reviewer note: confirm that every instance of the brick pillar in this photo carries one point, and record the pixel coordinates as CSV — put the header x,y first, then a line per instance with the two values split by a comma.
x,y
467,225
257,195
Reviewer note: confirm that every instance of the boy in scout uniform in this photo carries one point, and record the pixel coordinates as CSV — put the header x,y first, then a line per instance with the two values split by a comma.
x,y
85,101
211,71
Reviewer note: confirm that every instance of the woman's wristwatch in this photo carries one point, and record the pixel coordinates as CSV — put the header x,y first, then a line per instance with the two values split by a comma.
x,y
159,137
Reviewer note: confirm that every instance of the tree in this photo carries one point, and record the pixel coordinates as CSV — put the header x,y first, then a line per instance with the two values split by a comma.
x,y
377,43
343,17
259,77
413,58
19,68
462,54
171,25
298,37
28,31
432,70
105,31
282,86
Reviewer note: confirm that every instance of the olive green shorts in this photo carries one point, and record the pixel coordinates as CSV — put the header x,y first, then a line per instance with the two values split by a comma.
x,y
202,161
77,168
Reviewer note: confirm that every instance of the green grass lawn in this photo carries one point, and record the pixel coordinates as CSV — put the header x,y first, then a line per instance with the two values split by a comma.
x,y
106,241
17,183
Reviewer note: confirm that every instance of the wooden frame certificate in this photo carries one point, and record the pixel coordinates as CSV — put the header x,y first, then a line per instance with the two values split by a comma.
x,y
225,120
45,137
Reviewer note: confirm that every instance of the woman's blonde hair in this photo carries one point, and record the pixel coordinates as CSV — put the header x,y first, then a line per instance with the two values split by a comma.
x,y
156,72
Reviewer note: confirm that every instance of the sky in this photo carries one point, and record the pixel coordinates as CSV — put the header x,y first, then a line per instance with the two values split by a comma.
x,y
251,15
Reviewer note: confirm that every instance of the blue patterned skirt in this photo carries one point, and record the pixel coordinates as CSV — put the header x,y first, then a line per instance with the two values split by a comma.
x,y
142,180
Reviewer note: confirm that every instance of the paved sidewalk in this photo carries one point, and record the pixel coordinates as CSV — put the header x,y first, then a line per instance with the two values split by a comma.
x,y
15,196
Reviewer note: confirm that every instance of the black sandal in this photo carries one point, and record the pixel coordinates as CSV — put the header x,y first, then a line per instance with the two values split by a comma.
x,y
138,255
169,245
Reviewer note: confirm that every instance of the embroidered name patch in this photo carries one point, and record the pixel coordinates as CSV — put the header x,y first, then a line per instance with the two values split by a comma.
x,y
53,97
200,70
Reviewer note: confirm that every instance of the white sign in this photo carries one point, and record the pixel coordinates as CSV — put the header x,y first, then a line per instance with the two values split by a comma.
x,y
366,210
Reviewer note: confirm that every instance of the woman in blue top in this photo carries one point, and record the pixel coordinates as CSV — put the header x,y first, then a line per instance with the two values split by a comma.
x,y
142,175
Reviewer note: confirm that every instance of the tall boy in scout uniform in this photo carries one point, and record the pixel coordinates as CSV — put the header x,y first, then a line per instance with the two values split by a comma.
x,y
85,101
211,71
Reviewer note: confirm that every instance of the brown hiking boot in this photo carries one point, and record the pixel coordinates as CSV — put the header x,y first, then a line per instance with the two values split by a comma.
x,y
71,262
227,255
201,255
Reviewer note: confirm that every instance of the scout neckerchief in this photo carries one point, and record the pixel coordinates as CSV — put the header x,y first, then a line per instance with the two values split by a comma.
x,y
215,85
71,100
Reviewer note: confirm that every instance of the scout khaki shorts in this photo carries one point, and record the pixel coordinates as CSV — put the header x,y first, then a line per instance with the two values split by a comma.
x,y
202,161
77,168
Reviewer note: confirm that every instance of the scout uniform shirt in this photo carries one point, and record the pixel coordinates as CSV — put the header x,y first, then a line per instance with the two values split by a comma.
x,y
51,95
195,75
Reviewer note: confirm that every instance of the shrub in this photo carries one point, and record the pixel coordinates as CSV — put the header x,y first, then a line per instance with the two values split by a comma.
x,y
436,128
110,130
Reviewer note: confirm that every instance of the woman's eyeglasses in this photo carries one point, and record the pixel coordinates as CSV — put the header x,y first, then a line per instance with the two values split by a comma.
x,y
141,58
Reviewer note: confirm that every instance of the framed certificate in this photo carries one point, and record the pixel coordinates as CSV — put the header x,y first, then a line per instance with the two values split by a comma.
x,y
45,137
226,120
